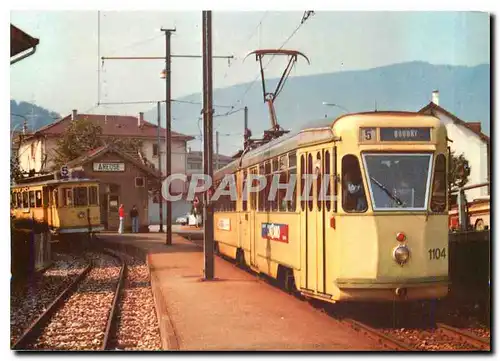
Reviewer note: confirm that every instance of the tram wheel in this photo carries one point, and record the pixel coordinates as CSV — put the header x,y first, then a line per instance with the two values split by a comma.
x,y
240,258
287,279
479,226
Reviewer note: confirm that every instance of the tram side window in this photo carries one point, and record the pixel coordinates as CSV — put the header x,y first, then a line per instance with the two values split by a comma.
x,y
269,204
32,199
253,196
262,195
283,180
329,186
309,181
38,199
301,180
244,193
67,197
319,176
80,196
26,202
353,195
439,187
292,164
93,199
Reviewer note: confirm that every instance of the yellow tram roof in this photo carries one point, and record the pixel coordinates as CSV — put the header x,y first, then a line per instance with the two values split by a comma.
x,y
55,182
326,130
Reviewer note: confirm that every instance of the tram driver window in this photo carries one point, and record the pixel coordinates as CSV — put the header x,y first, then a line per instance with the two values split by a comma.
x,y
353,194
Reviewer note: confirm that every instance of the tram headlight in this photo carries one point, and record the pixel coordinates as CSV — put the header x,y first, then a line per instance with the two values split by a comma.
x,y
81,215
401,254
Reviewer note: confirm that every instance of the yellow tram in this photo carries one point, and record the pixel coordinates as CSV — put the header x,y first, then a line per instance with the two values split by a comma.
x,y
68,206
381,231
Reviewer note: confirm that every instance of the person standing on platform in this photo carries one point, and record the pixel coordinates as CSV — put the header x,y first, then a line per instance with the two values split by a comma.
x,y
121,214
134,215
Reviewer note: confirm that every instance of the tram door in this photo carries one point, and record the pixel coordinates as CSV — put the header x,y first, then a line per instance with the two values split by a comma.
x,y
252,225
308,220
45,200
244,216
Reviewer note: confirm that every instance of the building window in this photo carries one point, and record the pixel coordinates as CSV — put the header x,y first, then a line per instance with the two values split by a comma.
x,y
139,182
155,150
13,200
194,166
32,146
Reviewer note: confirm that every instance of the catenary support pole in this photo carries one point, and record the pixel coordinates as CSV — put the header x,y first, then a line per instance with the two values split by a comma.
x,y
159,165
208,143
168,135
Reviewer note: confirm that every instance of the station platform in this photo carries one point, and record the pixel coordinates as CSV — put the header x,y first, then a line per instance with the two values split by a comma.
x,y
237,311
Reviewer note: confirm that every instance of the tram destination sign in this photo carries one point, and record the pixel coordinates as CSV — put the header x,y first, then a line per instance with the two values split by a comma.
x,y
405,134
109,167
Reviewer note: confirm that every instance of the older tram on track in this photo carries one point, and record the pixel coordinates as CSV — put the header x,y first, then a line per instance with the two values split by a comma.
x,y
70,207
383,234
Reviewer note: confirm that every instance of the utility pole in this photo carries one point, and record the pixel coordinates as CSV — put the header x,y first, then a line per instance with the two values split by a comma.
x,y
168,155
159,165
216,149
168,136
208,238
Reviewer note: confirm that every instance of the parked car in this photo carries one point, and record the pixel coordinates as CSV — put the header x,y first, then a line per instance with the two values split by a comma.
x,y
183,220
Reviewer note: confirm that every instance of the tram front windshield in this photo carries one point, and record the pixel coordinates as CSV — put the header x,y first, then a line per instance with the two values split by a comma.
x,y
398,181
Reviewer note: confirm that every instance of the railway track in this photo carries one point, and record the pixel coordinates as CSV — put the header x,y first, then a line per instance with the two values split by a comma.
x,y
442,337
83,316
439,338
30,298
136,324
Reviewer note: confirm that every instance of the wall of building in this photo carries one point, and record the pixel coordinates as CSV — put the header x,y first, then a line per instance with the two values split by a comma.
x,y
31,154
129,194
475,151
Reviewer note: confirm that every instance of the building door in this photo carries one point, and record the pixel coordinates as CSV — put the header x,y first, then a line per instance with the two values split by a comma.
x,y
103,205
112,215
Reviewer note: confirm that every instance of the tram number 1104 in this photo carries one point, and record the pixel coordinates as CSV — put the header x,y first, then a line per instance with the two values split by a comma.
x,y
436,253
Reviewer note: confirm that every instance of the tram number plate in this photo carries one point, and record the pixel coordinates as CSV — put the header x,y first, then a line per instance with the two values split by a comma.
x,y
437,253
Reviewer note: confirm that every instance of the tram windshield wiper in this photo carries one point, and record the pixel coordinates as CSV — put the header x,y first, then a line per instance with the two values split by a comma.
x,y
392,196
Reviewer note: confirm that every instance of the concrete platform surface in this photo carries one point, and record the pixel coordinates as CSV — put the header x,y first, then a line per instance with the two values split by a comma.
x,y
237,311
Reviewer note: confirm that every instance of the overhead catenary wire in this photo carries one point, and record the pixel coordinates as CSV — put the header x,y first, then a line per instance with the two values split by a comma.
x,y
240,100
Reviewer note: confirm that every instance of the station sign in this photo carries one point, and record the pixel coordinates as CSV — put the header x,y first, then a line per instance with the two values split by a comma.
x,y
109,167
275,232
405,134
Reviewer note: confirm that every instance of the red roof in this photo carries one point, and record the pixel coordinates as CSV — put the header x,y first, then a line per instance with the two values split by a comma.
x,y
112,125
474,126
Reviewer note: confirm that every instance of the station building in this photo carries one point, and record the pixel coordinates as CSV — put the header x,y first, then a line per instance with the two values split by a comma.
x,y
37,152
123,180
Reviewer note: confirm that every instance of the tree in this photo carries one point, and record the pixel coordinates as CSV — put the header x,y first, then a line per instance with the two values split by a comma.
x,y
80,137
459,170
15,169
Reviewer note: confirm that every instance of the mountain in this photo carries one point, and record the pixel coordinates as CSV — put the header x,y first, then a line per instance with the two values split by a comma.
x,y
464,91
36,117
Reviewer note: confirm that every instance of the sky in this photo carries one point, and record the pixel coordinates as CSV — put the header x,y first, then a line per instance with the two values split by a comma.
x,y
64,73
